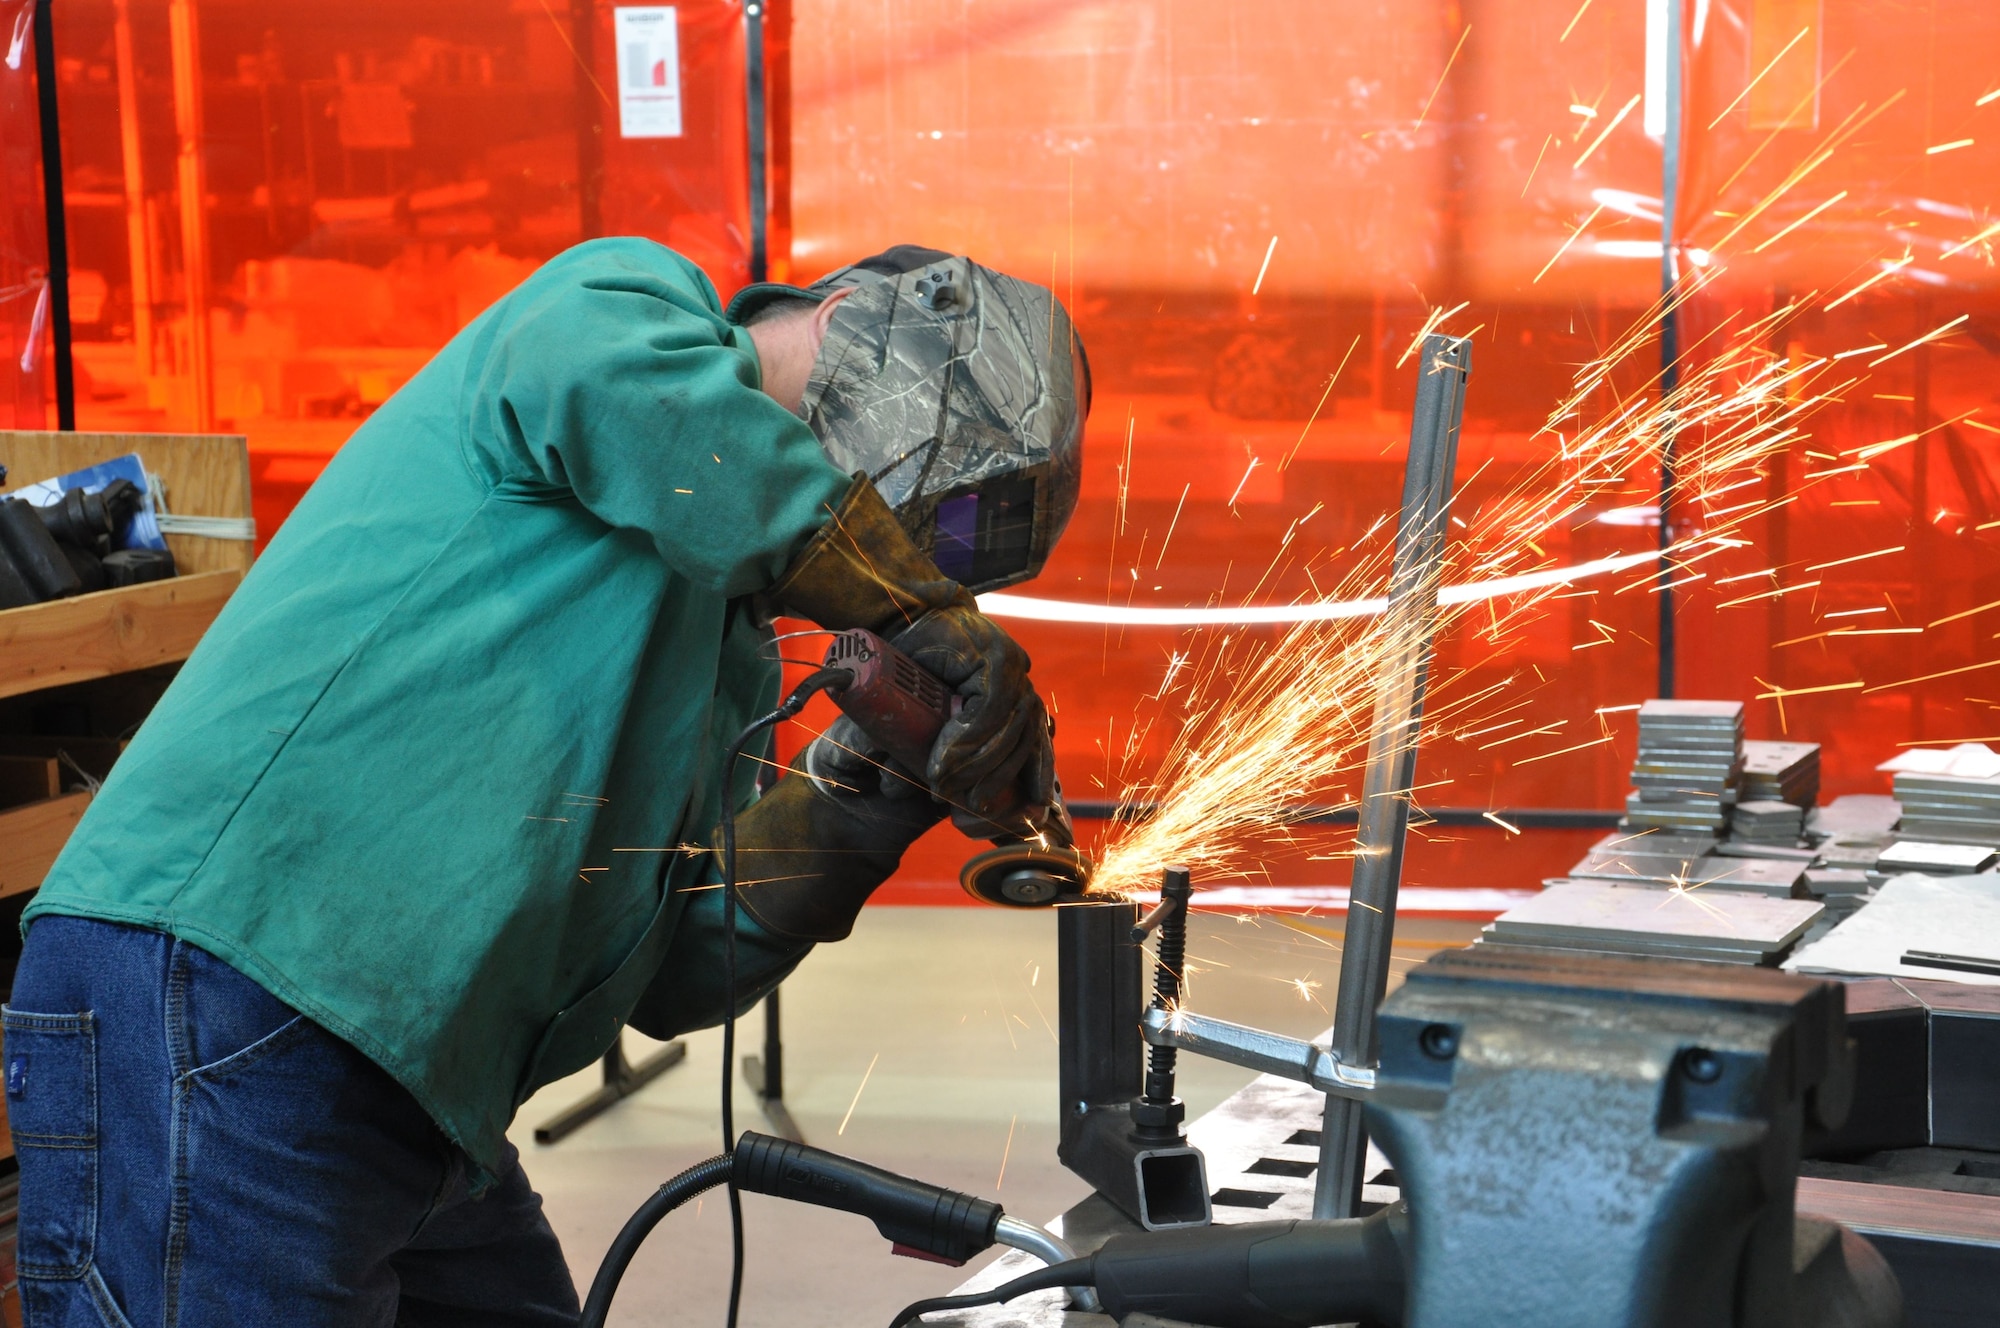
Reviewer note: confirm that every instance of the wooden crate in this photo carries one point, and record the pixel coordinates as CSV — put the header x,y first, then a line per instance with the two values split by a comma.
x,y
112,631
25,779
92,756
203,474
31,836
133,627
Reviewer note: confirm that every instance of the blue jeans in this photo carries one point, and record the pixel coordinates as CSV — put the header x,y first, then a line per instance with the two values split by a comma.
x,y
195,1153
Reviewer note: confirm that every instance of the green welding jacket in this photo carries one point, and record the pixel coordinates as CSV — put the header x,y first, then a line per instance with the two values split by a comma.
x,y
425,776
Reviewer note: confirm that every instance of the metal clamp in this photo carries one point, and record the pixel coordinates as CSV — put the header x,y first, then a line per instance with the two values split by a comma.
x,y
1254,1049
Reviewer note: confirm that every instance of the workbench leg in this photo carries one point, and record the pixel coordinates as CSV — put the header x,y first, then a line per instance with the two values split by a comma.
x,y
766,1075
621,1080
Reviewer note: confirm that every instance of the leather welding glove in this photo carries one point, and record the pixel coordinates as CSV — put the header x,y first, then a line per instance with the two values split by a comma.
x,y
811,851
994,762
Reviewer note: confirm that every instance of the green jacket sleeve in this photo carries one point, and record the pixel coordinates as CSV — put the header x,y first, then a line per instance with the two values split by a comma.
x,y
612,375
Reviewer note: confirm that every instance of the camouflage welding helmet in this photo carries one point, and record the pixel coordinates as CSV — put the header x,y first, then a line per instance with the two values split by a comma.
x,y
955,389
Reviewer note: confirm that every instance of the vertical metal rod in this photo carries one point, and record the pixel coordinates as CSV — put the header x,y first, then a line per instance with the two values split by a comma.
x,y
1409,626
753,90
193,180
55,213
1921,544
590,105
1670,333
138,240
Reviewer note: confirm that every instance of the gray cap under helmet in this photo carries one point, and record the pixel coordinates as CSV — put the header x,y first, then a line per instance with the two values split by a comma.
x,y
953,388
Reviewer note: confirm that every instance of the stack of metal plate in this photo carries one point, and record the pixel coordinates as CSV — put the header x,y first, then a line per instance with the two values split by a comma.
x,y
1850,857
1690,757
1657,856
1615,860
1948,809
1855,819
1724,927
1841,889
1778,877
1911,855
1781,772
1829,882
1767,821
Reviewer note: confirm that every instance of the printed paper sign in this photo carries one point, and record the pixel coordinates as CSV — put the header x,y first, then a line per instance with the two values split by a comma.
x,y
649,71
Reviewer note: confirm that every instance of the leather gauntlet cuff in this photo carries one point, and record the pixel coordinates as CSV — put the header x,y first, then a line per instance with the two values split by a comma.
x,y
862,569
807,858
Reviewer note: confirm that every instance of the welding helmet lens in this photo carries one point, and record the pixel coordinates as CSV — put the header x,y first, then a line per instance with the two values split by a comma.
x,y
986,538
955,389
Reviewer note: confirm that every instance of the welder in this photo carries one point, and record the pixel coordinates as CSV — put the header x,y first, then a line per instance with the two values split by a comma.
x,y
423,821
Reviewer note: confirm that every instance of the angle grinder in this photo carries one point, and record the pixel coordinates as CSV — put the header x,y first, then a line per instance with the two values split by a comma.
x,y
903,707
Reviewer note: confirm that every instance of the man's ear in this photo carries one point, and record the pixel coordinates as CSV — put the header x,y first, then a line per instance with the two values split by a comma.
x,y
823,316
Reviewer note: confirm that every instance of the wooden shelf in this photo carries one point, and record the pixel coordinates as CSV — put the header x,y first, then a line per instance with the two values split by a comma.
x,y
112,631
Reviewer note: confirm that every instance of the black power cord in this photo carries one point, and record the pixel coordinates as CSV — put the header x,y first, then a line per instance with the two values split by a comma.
x,y
814,683
1077,1272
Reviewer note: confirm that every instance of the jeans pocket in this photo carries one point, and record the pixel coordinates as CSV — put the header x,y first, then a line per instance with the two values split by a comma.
x,y
83,1302
52,1110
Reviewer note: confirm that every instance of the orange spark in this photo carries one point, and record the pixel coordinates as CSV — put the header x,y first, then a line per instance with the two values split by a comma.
x,y
1449,61
1605,133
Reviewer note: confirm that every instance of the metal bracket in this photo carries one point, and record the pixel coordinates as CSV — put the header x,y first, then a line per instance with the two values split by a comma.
x,y
1254,1049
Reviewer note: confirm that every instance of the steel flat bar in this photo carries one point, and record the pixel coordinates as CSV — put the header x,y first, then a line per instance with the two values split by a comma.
x,y
1254,1049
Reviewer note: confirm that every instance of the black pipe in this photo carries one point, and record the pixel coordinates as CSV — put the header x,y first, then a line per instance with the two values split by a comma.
x,y
590,104
1670,347
55,216
753,89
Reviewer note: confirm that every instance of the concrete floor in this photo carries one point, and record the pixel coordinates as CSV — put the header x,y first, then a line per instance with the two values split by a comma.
x,y
947,1013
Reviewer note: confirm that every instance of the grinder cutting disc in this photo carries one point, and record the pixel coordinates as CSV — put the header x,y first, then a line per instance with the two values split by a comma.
x,y
1026,875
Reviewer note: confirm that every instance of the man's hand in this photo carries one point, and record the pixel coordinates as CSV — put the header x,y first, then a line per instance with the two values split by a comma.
x,y
833,828
994,763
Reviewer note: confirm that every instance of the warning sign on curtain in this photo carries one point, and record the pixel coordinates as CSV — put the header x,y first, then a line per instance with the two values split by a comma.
x,y
649,71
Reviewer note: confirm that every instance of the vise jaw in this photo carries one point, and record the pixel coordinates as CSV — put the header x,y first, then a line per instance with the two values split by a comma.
x,y
1603,1142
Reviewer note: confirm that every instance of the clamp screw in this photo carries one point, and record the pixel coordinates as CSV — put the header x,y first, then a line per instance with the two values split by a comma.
x,y
1438,1041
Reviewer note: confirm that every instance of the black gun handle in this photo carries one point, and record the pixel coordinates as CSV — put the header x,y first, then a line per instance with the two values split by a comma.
x,y
926,1220
1260,1274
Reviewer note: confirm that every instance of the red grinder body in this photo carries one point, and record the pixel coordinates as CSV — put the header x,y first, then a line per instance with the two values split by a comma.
x,y
892,698
903,707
